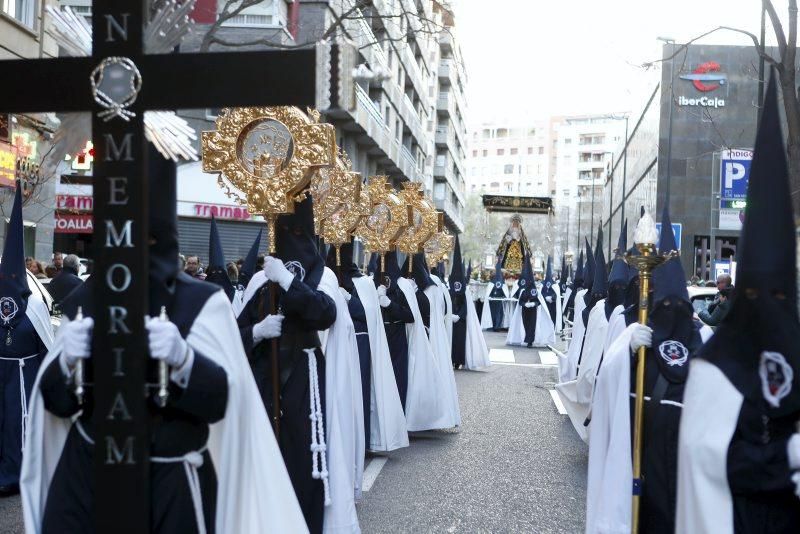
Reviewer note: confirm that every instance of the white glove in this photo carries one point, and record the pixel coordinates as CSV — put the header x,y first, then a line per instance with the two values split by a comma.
x,y
384,301
793,451
77,336
796,480
530,304
345,294
269,328
276,271
548,299
381,291
455,318
641,336
165,341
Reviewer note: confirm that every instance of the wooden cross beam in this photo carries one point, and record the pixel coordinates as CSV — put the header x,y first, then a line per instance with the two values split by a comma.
x,y
120,245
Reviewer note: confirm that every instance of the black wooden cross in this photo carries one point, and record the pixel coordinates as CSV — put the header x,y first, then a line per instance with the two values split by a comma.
x,y
175,81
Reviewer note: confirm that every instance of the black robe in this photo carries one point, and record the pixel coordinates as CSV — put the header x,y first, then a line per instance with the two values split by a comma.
x,y
359,316
395,317
529,314
458,353
424,310
177,429
661,424
496,306
306,312
25,343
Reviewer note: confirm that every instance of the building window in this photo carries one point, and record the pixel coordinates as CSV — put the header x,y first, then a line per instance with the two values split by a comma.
x,y
514,151
501,151
566,192
485,153
508,169
495,185
509,187
474,153
530,150
532,132
567,141
541,150
585,175
21,10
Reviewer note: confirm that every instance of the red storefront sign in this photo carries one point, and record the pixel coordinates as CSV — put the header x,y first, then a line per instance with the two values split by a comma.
x,y
236,213
74,202
67,223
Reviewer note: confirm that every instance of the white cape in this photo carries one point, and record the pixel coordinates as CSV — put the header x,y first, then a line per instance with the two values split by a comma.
x,y
576,395
254,493
387,421
565,300
558,320
476,351
711,406
36,311
448,312
545,326
516,328
344,414
425,408
568,367
441,349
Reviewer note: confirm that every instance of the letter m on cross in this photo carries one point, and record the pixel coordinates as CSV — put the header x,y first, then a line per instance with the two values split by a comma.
x,y
168,82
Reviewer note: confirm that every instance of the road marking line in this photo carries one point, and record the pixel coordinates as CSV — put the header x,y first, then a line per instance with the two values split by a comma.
x,y
557,402
548,357
502,355
534,365
371,473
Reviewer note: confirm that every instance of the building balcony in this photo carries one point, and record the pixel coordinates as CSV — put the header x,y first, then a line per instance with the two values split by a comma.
x,y
446,41
443,170
452,213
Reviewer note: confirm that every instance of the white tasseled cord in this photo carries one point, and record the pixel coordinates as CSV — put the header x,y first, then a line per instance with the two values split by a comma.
x,y
318,447
23,399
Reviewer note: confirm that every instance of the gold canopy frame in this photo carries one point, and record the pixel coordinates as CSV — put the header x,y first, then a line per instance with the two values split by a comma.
x,y
425,220
388,219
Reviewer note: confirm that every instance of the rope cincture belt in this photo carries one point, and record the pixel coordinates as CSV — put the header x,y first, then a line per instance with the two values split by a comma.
x,y
23,400
192,461
318,448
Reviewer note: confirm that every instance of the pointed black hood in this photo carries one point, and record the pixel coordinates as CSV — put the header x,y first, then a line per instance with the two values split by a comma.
x,y
393,273
373,266
588,268
296,244
527,281
618,278
669,280
758,344
347,268
421,273
163,220
578,280
600,278
217,272
14,289
547,283
249,265
458,282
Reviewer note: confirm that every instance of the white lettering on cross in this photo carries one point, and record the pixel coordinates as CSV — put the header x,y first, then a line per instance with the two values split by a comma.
x,y
114,238
116,187
115,152
113,24
117,316
126,277
116,456
118,370
118,408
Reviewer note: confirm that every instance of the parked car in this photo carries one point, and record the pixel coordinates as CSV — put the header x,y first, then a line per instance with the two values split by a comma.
x,y
701,297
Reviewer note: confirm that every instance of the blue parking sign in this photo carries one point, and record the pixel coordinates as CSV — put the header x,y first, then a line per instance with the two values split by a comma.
x,y
734,173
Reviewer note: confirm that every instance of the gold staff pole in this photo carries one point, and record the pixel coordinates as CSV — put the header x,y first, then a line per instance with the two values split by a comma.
x,y
647,260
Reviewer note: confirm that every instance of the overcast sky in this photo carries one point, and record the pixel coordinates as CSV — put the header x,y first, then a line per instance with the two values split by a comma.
x,y
541,57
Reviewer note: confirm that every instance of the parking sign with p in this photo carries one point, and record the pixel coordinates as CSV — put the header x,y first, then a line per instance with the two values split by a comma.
x,y
734,174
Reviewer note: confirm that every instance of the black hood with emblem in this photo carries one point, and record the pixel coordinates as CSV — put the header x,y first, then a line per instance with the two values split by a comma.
x,y
296,243
14,289
618,278
458,283
757,345
420,272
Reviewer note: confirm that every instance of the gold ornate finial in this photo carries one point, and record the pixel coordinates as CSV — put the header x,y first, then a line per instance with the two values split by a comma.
x,y
424,219
264,157
313,114
388,217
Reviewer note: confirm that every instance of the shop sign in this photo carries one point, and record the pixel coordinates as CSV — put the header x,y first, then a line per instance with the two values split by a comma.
x,y
236,213
731,219
74,202
8,165
67,223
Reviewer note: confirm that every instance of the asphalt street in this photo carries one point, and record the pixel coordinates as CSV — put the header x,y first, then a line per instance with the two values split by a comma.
x,y
515,464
